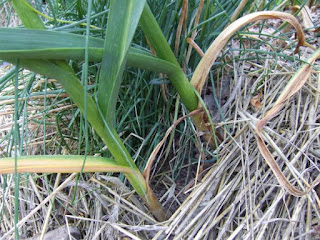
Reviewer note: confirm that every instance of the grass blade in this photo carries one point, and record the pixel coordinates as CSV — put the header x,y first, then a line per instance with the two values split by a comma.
x,y
40,44
29,18
15,167
122,23
61,164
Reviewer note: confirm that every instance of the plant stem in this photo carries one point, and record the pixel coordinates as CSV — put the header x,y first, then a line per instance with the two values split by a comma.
x,y
62,72
160,45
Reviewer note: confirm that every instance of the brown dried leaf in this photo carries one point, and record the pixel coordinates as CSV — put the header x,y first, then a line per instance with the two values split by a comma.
x,y
194,33
255,101
294,85
181,25
199,77
195,46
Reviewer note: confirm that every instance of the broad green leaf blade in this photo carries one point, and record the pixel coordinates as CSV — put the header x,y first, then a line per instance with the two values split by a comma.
x,y
61,164
19,39
122,22
29,18
42,44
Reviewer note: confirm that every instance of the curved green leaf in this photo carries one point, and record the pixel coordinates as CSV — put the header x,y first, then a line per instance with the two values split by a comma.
x,y
160,45
43,44
61,164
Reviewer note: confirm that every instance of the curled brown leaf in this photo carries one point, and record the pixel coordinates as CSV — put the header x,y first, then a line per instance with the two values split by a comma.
x,y
294,85
199,77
